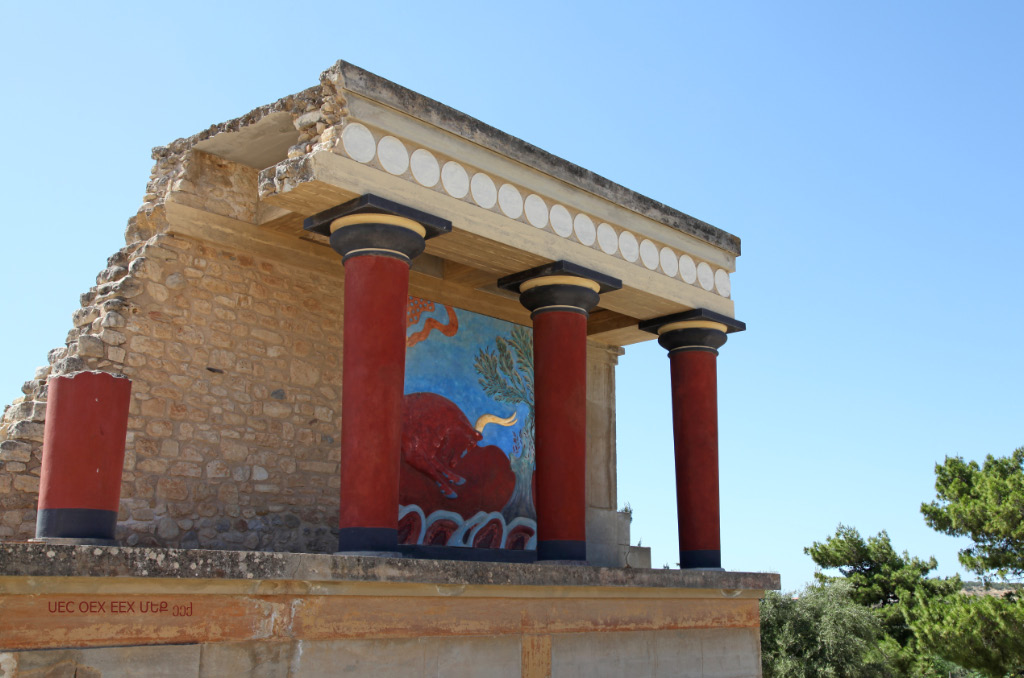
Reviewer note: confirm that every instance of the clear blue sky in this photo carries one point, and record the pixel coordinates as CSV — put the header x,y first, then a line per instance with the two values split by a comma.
x,y
868,154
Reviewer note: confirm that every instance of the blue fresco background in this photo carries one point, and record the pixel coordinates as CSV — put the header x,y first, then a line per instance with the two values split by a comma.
x,y
444,365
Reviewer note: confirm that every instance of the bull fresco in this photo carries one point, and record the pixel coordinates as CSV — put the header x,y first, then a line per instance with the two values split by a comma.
x,y
467,431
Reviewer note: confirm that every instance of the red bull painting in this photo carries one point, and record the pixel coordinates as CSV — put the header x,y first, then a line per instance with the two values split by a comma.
x,y
467,431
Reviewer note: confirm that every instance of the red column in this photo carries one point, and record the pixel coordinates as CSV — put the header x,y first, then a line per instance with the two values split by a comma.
x,y
560,296
83,456
695,425
376,295
693,339
560,402
377,239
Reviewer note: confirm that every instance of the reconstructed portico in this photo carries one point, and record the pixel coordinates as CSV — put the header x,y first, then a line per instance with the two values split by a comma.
x,y
361,324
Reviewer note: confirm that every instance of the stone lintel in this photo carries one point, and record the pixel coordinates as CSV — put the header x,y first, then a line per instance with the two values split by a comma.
x,y
561,267
411,103
374,204
731,324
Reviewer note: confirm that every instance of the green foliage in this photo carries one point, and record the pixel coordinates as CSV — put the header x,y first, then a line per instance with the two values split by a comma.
x,y
882,579
821,633
926,627
986,504
506,374
889,584
980,632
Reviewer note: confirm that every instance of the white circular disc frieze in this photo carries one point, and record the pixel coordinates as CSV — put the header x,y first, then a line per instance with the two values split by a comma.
x,y
536,210
628,246
561,221
510,201
583,226
607,239
705,276
669,263
484,192
358,142
722,283
687,269
425,169
454,179
649,254
392,155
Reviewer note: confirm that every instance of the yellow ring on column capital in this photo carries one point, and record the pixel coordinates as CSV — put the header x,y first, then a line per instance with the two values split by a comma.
x,y
692,324
559,280
370,218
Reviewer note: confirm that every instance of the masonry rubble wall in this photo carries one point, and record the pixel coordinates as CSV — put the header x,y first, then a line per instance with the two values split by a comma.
x,y
235,361
234,424
235,364
236,373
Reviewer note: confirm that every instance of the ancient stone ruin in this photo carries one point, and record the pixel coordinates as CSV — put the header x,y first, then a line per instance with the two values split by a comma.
x,y
483,293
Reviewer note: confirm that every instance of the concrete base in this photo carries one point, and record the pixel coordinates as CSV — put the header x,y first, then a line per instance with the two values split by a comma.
x,y
95,611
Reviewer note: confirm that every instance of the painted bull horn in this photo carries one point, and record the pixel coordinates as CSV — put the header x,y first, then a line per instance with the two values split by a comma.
x,y
494,419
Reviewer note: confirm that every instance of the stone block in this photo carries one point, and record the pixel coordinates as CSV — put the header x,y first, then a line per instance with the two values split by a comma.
x,y
159,429
84,316
128,287
730,653
112,337
22,410
273,408
113,319
495,657
304,374
26,483
635,654
639,556
142,344
173,489
90,346
155,466
14,450
166,661
253,659
152,407
217,469
267,335
186,469
26,430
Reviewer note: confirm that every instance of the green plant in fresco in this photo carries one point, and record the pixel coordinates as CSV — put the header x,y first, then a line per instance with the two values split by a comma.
x,y
506,374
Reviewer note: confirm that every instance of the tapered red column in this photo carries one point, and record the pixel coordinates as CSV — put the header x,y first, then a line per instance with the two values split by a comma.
x,y
83,456
560,297
377,240
693,339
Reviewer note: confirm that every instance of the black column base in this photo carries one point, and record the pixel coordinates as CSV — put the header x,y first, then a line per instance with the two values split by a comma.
x,y
700,560
95,525
368,540
562,549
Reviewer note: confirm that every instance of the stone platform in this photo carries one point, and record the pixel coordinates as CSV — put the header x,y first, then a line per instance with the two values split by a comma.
x,y
118,611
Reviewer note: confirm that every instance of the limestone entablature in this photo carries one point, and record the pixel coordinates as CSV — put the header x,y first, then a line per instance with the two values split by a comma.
x,y
513,206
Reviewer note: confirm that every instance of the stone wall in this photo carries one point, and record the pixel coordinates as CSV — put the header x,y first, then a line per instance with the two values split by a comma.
x,y
236,374
228,320
234,427
206,614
